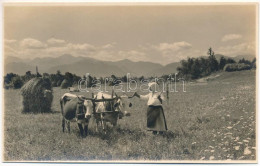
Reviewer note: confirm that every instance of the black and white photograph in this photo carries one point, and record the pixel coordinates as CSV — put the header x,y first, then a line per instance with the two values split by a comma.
x,y
129,82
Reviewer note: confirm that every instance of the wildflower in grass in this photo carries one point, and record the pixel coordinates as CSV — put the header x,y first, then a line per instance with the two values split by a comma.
x,y
246,141
241,157
237,147
211,157
247,151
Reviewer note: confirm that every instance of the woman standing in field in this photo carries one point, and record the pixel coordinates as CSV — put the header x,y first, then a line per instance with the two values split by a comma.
x,y
155,116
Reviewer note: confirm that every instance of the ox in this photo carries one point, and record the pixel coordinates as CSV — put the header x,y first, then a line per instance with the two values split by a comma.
x,y
76,107
110,111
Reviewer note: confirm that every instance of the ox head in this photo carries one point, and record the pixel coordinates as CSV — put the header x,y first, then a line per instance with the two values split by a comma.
x,y
89,108
84,108
123,104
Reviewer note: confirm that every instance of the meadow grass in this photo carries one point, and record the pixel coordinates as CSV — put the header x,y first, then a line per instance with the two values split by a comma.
x,y
214,120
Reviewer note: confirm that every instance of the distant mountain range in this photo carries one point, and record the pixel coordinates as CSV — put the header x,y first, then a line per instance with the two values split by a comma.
x,y
83,65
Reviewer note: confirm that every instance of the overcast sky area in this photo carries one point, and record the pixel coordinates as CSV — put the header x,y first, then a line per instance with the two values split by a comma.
x,y
161,34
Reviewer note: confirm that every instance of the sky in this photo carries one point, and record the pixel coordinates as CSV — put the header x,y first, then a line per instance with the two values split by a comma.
x,y
160,34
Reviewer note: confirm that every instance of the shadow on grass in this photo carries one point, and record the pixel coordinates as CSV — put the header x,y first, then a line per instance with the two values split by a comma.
x,y
46,112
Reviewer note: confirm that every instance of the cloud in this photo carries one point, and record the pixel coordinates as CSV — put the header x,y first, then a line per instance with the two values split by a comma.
x,y
163,53
54,41
32,44
84,46
239,49
231,37
109,46
177,46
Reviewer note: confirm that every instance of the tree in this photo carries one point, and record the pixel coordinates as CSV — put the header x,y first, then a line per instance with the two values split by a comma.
x,y
89,80
8,78
230,60
141,78
58,72
210,52
113,77
46,75
204,66
195,69
124,78
17,82
59,77
75,79
101,80
213,63
69,77
37,73
244,61
222,63
28,73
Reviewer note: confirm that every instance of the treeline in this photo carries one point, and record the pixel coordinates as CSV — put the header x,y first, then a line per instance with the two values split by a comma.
x,y
16,81
194,68
66,80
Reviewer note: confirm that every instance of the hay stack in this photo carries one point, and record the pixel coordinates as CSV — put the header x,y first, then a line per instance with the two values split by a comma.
x,y
37,95
65,84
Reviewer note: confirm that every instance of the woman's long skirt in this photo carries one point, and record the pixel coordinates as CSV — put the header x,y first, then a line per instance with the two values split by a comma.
x,y
156,119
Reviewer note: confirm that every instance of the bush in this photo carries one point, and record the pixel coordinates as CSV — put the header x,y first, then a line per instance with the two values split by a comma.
x,y
54,84
59,82
17,82
236,67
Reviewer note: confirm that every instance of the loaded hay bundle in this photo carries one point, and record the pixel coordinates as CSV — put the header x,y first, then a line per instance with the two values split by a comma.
x,y
65,84
37,95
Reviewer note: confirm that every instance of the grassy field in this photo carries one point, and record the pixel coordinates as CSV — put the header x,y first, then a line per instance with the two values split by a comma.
x,y
213,120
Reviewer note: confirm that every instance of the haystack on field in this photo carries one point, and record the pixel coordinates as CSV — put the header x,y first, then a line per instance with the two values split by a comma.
x,y
212,120
37,95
